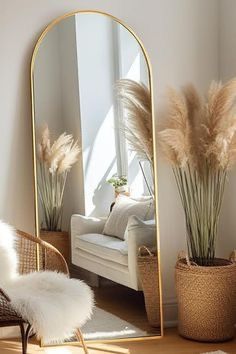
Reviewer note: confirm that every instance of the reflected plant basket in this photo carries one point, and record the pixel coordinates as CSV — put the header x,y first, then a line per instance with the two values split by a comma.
x,y
59,239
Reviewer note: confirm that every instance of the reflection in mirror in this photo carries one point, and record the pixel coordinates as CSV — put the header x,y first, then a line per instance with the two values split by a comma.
x,y
93,121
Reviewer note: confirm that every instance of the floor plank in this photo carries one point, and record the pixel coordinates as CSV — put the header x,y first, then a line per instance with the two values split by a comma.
x,y
170,344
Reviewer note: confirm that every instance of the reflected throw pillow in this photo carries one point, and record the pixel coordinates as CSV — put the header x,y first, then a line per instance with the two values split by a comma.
x,y
122,210
140,233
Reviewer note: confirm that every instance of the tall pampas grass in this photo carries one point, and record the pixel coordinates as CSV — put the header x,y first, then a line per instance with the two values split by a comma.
x,y
54,163
199,141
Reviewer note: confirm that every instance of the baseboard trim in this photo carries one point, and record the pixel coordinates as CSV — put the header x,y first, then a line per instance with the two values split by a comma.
x,y
170,311
170,324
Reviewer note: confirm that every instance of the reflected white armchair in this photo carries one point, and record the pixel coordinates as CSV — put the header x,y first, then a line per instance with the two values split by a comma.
x,y
107,256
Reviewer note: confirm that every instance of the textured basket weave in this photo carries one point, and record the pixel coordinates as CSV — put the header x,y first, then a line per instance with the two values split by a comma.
x,y
206,300
148,273
59,239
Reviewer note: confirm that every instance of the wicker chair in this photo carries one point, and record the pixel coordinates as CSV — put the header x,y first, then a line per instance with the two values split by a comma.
x,y
49,258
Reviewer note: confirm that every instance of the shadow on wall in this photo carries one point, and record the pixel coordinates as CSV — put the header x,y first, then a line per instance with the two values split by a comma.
x,y
100,190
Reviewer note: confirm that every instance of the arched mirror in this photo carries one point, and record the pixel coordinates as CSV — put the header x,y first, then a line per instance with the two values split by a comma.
x,y
94,164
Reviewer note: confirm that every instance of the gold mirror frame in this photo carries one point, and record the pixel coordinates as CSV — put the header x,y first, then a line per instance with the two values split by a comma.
x,y
37,233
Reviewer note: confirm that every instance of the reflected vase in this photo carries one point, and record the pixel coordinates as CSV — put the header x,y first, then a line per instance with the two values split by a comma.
x,y
59,239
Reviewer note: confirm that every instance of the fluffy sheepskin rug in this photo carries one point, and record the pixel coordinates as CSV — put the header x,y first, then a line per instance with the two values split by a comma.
x,y
8,257
53,304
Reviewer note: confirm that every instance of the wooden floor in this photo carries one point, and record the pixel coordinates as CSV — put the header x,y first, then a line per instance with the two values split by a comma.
x,y
170,344
127,304
120,301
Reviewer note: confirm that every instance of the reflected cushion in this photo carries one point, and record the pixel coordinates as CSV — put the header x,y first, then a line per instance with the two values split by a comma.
x,y
143,231
106,247
124,208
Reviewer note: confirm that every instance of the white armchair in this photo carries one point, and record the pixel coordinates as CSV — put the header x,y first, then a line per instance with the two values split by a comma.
x,y
107,256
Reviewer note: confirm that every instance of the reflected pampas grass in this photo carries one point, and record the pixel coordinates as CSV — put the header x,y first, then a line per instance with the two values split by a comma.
x,y
54,163
199,141
137,123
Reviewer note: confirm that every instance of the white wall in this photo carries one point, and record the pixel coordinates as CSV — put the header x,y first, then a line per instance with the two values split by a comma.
x,y
47,96
56,103
106,52
96,83
74,190
47,83
181,37
227,40
133,66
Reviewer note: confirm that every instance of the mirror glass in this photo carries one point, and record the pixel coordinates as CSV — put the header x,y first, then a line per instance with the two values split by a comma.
x,y
95,197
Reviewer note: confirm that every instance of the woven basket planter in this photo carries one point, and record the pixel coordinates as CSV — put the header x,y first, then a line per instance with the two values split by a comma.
x,y
148,273
206,300
58,239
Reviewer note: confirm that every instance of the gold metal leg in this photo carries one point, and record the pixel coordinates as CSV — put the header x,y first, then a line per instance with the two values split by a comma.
x,y
81,339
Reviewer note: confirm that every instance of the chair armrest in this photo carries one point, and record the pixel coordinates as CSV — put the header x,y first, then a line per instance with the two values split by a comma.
x,y
54,260
4,295
8,315
49,257
81,225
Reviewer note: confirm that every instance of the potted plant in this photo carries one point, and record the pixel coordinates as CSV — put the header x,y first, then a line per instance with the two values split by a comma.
x,y
199,141
119,183
54,162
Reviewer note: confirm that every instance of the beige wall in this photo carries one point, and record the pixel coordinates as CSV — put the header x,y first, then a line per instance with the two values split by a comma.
x,y
227,50
181,37
227,70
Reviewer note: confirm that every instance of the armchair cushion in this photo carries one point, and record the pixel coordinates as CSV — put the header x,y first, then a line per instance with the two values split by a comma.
x,y
106,247
81,224
122,210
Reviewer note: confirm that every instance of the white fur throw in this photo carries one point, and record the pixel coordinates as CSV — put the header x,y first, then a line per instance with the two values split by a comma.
x,y
8,257
52,303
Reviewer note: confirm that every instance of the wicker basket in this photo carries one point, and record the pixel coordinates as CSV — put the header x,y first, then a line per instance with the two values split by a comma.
x,y
59,239
206,300
148,273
